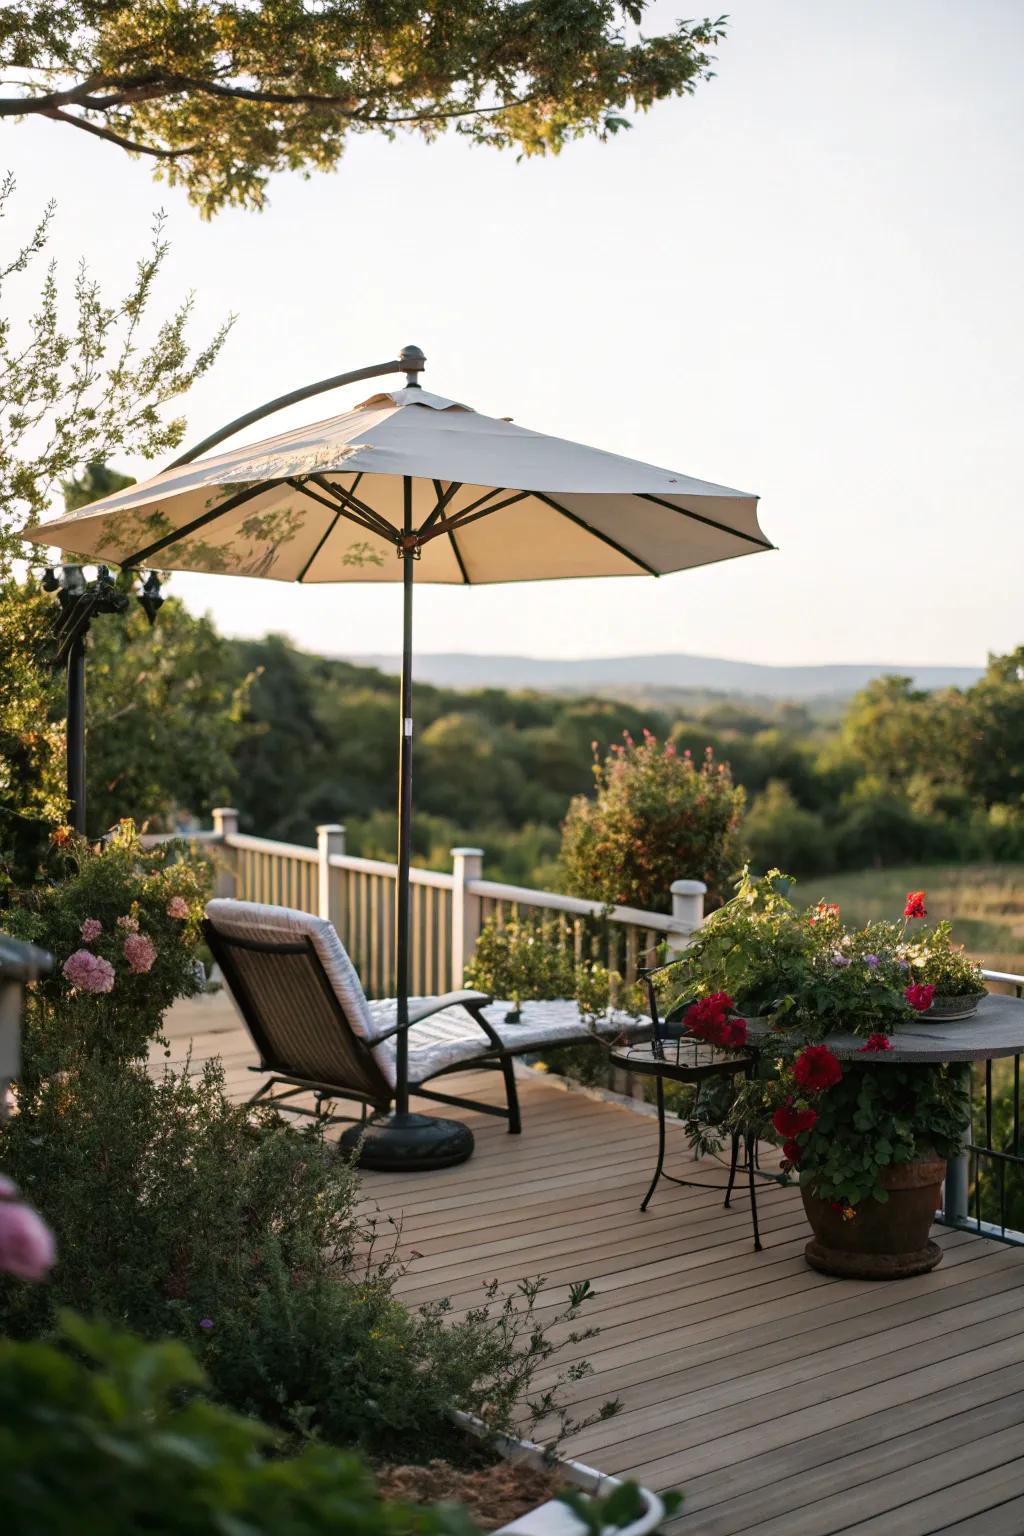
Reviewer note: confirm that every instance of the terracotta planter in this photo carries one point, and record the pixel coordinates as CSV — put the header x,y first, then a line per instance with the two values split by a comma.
x,y
881,1241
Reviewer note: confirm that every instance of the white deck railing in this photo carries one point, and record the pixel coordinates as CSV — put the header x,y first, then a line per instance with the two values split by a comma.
x,y
448,911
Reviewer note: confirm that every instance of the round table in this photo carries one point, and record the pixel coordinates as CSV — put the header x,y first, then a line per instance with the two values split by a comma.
x,y
996,1030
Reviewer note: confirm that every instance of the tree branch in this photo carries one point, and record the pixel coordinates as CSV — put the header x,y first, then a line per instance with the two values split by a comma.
x,y
116,138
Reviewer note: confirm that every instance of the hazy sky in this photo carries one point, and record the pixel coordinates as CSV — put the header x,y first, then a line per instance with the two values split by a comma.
x,y
805,281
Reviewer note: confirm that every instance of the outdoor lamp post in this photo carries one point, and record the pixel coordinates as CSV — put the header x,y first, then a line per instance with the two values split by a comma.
x,y
80,602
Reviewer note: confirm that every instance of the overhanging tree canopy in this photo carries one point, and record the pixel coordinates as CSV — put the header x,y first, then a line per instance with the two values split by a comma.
x,y
223,92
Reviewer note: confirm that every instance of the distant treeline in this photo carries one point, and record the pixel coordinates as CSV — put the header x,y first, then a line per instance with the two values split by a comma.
x,y
902,775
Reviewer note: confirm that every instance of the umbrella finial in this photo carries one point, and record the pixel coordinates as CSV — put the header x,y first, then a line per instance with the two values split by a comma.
x,y
414,362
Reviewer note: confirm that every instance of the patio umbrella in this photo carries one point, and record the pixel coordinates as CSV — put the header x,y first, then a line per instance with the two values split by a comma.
x,y
410,485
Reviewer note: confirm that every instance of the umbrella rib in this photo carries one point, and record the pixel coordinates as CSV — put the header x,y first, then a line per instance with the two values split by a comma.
x,y
597,534
710,522
333,506
461,519
443,498
458,556
383,527
193,527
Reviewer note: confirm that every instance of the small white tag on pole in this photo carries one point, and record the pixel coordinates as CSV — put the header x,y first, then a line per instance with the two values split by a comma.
x,y
408,726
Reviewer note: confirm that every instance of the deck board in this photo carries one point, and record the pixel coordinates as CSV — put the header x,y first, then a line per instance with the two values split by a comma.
x,y
782,1402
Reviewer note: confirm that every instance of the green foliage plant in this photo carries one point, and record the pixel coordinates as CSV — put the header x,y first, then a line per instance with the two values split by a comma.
x,y
220,95
102,1432
655,817
936,961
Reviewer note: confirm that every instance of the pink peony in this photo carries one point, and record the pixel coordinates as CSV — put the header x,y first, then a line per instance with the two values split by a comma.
x,y
90,929
177,907
27,1249
88,972
140,953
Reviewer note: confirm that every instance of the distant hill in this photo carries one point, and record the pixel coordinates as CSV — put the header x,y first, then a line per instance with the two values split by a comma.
x,y
661,674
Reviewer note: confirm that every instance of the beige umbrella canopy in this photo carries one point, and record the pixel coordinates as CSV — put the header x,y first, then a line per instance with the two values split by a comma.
x,y
490,501
406,483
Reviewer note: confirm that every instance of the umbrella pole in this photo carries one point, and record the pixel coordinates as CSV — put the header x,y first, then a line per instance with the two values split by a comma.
x,y
402,891
401,1141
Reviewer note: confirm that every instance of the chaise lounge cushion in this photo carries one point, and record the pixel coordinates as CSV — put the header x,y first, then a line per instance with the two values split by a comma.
x,y
451,1037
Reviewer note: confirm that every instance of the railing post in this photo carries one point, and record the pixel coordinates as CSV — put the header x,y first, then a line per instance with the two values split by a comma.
x,y
330,839
225,824
687,913
467,864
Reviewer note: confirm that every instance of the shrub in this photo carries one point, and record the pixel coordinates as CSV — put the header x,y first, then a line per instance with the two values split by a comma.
x,y
656,817
528,959
102,1432
122,924
178,1212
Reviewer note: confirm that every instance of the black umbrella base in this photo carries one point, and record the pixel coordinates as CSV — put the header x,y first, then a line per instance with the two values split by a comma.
x,y
408,1143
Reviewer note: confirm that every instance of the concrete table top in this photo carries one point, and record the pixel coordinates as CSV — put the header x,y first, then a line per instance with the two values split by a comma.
x,y
997,1029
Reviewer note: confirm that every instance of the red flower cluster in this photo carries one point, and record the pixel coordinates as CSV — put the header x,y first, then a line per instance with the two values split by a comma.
x,y
920,996
876,1042
792,1152
816,1069
709,1020
915,905
790,1121
825,909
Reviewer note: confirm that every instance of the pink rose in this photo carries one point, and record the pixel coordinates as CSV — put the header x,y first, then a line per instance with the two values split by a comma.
x,y
27,1249
91,929
140,952
88,972
177,907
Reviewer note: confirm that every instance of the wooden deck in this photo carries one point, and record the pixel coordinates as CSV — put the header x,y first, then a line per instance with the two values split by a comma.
x,y
781,1402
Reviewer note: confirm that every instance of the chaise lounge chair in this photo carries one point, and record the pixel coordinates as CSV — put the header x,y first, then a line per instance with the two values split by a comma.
x,y
303,1004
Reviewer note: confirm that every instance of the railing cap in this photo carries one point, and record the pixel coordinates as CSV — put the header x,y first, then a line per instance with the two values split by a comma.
x,y
467,852
688,888
331,826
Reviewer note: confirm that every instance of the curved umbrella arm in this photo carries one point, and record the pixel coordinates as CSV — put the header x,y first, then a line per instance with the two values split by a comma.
x,y
410,361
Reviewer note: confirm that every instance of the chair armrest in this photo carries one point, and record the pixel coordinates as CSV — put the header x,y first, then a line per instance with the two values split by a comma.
x,y
426,1007
430,1005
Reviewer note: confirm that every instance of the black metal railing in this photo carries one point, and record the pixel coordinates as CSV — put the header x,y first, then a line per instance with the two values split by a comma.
x,y
992,1179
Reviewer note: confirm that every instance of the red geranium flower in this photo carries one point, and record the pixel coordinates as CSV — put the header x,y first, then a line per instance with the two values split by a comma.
x,y
792,1151
706,1017
816,1069
920,996
732,1033
876,1042
915,905
825,909
790,1121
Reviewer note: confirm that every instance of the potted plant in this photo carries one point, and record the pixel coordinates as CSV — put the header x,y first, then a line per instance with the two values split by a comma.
x,y
958,982
868,1139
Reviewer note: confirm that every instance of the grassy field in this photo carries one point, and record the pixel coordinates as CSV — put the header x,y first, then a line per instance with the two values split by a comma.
x,y
984,901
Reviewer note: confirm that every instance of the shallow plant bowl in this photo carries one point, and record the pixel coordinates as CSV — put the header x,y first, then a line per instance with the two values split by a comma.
x,y
949,1008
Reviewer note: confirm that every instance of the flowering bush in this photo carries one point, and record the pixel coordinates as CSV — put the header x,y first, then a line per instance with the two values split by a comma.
x,y
27,1249
656,817
122,923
